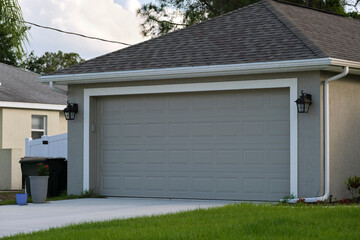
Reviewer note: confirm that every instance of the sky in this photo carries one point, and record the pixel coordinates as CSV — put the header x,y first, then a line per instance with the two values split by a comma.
x,y
108,19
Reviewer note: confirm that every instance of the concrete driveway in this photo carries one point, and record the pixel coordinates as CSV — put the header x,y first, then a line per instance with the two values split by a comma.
x,y
33,217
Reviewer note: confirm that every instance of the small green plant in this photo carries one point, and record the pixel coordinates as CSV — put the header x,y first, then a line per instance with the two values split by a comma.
x,y
89,194
352,184
43,169
285,199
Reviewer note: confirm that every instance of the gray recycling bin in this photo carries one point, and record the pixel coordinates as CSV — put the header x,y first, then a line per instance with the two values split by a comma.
x,y
57,173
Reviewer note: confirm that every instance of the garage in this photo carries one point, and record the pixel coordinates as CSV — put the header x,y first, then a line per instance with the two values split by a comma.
x,y
231,145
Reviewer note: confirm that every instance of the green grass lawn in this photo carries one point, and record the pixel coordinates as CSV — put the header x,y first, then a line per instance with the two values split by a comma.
x,y
239,221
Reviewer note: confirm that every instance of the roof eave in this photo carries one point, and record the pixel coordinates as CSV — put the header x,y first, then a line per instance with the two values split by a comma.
x,y
200,71
28,105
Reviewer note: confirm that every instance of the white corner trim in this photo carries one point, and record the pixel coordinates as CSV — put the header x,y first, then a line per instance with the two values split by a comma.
x,y
42,106
198,87
293,138
191,72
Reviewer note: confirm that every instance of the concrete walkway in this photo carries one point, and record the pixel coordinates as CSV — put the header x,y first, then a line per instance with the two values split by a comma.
x,y
33,217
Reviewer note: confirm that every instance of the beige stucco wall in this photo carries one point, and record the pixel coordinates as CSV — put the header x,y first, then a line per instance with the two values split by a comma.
x,y
344,132
15,127
9,169
5,169
310,141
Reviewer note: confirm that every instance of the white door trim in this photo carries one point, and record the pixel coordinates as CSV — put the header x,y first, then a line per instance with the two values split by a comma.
x,y
198,87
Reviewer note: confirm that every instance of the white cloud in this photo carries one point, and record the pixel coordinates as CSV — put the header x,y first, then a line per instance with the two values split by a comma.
x,y
133,5
104,19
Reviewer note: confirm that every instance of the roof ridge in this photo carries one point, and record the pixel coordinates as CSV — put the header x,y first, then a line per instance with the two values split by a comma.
x,y
315,9
293,28
162,36
18,68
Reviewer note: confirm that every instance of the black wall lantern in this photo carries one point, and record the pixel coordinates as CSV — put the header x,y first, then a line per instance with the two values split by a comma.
x,y
303,102
70,111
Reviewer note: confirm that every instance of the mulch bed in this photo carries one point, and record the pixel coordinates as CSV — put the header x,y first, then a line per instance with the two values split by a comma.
x,y
8,195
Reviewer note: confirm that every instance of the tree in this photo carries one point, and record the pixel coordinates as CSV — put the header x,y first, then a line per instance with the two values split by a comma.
x,y
13,34
50,61
163,16
354,9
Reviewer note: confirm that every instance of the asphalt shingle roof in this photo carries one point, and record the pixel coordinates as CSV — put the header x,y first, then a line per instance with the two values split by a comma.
x,y
262,32
21,86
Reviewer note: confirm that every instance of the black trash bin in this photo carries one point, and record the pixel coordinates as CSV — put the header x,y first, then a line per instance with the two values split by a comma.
x,y
57,173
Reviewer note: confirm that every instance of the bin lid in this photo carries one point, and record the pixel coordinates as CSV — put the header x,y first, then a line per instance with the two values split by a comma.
x,y
32,159
37,159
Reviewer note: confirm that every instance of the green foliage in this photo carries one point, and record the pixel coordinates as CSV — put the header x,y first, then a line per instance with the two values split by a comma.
x,y
352,184
13,34
50,61
163,16
7,54
354,15
285,199
90,194
43,169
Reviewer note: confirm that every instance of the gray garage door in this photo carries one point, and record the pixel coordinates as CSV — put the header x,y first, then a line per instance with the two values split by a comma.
x,y
209,145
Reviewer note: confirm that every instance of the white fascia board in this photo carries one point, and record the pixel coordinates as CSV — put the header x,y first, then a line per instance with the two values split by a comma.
x,y
191,72
41,106
343,63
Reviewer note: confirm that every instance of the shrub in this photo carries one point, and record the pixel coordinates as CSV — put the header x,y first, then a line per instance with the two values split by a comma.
x,y
352,184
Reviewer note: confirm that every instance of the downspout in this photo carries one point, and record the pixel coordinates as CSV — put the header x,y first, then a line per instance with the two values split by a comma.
x,y
327,139
59,90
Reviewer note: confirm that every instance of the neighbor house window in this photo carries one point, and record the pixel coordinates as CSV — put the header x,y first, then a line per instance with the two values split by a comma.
x,y
38,126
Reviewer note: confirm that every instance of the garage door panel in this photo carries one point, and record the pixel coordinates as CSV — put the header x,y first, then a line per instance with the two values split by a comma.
x,y
279,128
111,156
216,145
213,185
253,100
198,127
196,154
277,185
254,159
243,141
179,184
279,158
111,182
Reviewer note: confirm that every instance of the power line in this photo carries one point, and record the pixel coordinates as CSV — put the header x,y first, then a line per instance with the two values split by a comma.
x,y
66,32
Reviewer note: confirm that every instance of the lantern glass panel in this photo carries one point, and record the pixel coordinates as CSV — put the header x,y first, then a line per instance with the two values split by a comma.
x,y
72,115
66,113
306,107
300,107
